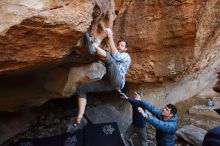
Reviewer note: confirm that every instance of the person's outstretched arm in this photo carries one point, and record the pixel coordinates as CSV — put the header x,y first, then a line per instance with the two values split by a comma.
x,y
165,126
129,99
111,40
150,107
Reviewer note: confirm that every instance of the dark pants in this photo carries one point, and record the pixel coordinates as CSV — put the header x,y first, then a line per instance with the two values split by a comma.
x,y
141,133
212,137
111,81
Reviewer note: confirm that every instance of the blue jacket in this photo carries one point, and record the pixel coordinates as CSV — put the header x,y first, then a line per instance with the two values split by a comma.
x,y
137,119
165,129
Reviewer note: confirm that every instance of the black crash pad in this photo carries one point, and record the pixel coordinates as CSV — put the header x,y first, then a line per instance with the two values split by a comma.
x,y
75,139
105,134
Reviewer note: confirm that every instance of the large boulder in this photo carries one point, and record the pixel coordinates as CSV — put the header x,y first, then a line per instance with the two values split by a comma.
x,y
192,134
174,46
57,83
204,110
64,83
38,33
168,39
36,36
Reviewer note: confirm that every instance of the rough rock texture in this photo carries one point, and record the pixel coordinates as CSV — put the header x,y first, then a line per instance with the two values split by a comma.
x,y
174,46
173,92
36,36
38,33
192,134
168,38
21,92
64,83
15,123
204,110
47,120
175,43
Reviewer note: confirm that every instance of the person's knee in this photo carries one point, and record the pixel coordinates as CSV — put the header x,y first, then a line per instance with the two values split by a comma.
x,y
116,85
81,91
127,137
109,60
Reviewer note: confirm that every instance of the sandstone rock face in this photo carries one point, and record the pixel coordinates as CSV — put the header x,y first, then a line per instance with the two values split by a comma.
x,y
174,45
64,83
168,39
36,90
174,48
173,92
33,33
36,33
41,35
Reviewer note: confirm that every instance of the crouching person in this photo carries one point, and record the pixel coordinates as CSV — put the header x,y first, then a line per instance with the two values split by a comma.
x,y
164,120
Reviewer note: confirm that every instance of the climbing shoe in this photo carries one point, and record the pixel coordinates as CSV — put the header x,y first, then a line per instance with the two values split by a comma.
x,y
89,43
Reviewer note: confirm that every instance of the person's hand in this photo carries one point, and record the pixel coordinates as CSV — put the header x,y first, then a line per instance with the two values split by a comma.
x,y
123,96
95,45
140,110
109,32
